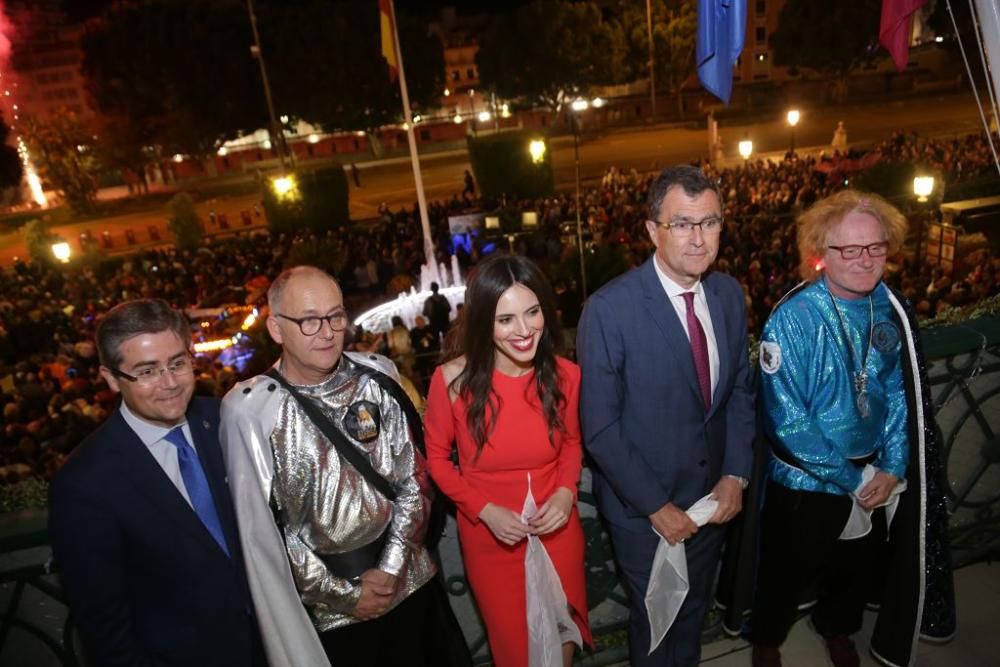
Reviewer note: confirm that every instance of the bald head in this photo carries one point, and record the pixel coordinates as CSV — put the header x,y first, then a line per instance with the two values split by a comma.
x,y
296,276
308,320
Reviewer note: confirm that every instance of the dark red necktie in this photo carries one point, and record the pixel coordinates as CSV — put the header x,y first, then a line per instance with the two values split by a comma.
x,y
699,350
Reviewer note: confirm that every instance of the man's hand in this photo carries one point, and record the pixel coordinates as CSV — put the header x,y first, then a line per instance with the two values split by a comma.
x,y
877,491
673,524
505,524
554,514
377,589
729,494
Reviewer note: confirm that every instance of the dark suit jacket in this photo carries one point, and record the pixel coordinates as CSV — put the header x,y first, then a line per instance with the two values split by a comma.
x,y
146,582
642,414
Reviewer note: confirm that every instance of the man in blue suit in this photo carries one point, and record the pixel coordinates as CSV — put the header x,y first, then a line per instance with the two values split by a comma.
x,y
140,517
666,404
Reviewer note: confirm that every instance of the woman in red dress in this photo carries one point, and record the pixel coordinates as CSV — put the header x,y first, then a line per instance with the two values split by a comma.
x,y
510,405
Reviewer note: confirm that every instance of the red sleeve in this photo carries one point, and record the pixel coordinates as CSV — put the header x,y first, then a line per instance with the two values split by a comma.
x,y
439,433
570,453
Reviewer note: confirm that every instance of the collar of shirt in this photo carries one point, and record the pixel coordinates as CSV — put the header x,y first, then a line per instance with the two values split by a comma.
x,y
673,290
150,434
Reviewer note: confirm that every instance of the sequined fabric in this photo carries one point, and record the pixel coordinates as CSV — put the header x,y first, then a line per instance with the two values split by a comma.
x,y
327,507
939,621
809,399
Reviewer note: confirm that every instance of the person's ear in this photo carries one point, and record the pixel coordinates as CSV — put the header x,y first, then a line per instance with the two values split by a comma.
x,y
110,378
274,329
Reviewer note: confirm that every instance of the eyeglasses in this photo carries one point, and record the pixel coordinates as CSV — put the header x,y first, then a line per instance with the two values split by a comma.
x,y
310,326
682,227
152,374
854,251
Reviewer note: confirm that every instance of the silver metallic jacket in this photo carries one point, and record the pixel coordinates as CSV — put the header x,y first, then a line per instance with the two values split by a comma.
x,y
275,454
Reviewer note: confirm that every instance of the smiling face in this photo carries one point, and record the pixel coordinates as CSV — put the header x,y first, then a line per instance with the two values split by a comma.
x,y
684,258
854,278
308,359
517,327
165,401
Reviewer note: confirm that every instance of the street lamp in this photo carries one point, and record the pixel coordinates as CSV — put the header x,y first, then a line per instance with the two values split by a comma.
x,y
746,149
536,148
62,251
793,120
923,186
579,105
277,131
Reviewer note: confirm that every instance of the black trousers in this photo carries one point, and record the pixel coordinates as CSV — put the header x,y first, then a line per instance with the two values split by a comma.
x,y
800,553
397,638
634,552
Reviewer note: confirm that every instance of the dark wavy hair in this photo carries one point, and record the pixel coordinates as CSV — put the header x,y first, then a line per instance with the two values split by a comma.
x,y
473,337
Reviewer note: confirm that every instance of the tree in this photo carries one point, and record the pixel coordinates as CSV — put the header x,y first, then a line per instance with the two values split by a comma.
x,y
549,52
326,63
830,38
178,73
38,239
184,222
61,148
674,39
11,169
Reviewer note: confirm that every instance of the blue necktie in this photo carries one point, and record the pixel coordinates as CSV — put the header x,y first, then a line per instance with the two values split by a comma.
x,y
197,485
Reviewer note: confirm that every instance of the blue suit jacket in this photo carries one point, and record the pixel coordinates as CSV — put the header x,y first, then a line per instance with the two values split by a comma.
x,y
146,582
642,415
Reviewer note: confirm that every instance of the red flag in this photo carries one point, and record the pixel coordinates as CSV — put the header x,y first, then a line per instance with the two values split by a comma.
x,y
388,38
895,28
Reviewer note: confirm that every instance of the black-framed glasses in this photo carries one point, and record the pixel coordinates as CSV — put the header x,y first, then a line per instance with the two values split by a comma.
x,y
880,249
682,227
152,374
310,326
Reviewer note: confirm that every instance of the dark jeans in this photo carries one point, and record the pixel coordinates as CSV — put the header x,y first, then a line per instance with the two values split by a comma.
x,y
800,551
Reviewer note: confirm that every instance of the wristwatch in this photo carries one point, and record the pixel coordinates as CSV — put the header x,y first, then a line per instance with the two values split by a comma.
x,y
744,482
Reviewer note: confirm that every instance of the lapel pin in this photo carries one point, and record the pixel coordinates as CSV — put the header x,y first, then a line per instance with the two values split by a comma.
x,y
206,425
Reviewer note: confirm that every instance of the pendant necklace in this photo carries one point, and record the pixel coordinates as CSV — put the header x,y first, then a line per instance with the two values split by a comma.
x,y
860,376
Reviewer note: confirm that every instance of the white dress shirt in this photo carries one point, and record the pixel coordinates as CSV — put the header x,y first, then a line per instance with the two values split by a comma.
x,y
164,451
675,292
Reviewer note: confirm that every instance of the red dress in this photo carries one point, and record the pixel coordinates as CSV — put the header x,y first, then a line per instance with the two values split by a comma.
x,y
518,445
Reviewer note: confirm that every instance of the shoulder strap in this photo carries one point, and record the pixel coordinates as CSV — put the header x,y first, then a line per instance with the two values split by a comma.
x,y
340,442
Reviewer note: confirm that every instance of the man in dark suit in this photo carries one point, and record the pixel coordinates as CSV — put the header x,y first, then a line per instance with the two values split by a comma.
x,y
666,404
140,517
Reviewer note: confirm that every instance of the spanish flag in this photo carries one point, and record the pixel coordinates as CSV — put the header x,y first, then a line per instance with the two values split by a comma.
x,y
388,37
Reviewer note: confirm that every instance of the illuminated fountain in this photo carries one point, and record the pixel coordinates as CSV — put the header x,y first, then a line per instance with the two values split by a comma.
x,y
408,305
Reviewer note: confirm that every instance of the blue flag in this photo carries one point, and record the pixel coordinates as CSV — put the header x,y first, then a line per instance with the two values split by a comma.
x,y
721,30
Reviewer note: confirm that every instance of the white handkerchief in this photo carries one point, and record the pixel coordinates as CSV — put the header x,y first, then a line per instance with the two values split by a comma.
x,y
668,579
550,624
859,523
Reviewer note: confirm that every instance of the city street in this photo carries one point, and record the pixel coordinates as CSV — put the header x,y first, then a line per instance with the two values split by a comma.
x,y
645,149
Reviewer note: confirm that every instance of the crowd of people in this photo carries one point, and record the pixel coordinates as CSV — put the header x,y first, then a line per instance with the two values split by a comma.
x,y
52,394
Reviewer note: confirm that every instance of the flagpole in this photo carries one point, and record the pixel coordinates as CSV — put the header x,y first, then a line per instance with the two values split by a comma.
x,y
425,223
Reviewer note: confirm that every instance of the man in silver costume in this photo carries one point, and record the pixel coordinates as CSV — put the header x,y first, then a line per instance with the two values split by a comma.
x,y
853,509
301,506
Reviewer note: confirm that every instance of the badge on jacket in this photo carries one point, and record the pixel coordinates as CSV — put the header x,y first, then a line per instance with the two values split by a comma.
x,y
770,357
362,421
885,337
